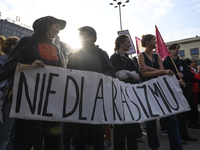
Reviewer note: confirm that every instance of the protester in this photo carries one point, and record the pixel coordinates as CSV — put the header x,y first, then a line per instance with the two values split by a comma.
x,y
194,114
151,67
195,81
183,74
39,51
125,71
90,58
6,123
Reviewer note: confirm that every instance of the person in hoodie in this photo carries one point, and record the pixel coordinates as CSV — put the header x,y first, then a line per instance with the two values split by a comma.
x,y
90,58
37,50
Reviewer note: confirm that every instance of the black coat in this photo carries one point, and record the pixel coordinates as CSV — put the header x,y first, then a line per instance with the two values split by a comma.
x,y
182,68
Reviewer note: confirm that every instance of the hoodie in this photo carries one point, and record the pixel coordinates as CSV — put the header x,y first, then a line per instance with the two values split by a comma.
x,y
91,58
37,46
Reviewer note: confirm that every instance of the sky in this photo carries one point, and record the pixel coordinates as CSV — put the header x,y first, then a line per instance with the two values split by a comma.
x,y
175,19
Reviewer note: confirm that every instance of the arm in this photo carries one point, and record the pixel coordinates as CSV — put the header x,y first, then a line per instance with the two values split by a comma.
x,y
181,82
161,67
38,63
121,75
144,68
132,74
149,72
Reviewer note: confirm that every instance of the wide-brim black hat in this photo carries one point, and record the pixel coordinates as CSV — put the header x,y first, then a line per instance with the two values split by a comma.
x,y
43,22
62,23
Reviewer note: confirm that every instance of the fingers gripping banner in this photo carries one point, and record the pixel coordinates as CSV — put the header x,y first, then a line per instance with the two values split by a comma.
x,y
64,95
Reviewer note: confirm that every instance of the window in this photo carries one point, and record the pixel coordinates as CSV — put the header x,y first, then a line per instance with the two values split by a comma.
x,y
181,53
15,33
194,51
23,35
8,31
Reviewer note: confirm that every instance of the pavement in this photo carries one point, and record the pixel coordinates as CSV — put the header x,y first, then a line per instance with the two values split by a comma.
x,y
164,142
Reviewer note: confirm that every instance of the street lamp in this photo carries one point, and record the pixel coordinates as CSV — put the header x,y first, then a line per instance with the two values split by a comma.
x,y
119,4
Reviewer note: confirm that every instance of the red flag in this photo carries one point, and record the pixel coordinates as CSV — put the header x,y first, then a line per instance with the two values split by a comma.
x,y
160,46
139,45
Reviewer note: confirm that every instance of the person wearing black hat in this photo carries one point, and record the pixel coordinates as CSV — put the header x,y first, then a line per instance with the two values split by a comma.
x,y
39,51
90,58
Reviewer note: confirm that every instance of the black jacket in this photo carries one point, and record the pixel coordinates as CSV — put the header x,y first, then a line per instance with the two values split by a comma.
x,y
182,68
123,63
91,58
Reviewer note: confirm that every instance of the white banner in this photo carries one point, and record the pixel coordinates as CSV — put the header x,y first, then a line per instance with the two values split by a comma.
x,y
64,95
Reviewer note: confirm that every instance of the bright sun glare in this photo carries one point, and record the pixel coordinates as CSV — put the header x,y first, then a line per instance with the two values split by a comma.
x,y
70,37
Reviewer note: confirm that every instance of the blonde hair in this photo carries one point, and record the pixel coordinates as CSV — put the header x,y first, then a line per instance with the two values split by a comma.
x,y
146,38
8,43
2,39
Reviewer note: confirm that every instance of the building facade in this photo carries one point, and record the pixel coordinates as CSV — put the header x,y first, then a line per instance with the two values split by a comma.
x,y
189,48
8,28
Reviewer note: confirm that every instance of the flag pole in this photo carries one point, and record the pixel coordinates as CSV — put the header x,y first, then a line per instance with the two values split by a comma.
x,y
176,68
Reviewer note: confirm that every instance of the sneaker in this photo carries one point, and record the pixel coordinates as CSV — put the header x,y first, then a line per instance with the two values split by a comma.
x,y
141,138
107,142
183,142
194,126
164,132
189,138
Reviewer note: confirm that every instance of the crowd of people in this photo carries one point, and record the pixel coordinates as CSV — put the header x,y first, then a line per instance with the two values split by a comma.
x,y
38,50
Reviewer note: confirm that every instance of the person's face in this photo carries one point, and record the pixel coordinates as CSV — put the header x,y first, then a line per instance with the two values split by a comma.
x,y
13,45
126,45
53,30
194,64
175,51
152,43
85,38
